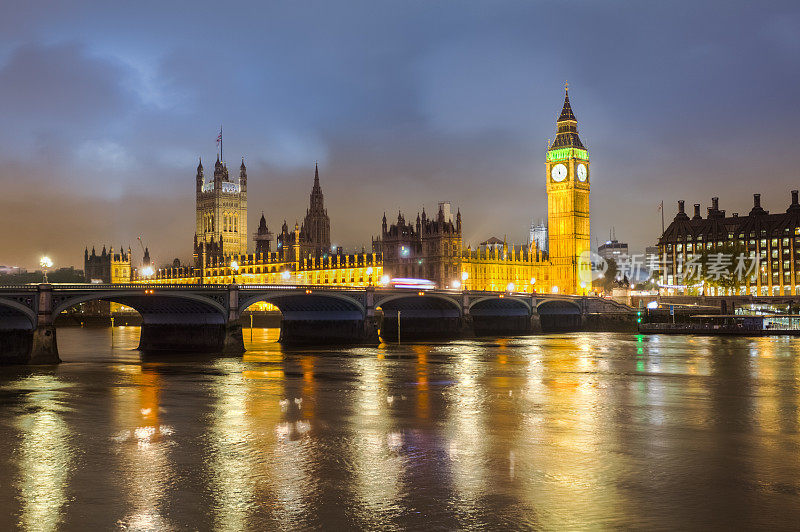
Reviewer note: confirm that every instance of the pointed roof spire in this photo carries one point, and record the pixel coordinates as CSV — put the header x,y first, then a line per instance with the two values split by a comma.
x,y
317,188
567,127
566,110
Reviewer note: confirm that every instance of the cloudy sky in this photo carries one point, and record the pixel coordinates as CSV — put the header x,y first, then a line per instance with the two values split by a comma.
x,y
106,107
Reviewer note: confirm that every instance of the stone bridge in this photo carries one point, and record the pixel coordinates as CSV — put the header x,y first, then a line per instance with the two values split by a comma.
x,y
205,318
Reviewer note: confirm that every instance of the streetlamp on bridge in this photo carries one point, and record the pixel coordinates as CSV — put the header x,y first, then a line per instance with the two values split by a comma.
x,y
45,263
234,269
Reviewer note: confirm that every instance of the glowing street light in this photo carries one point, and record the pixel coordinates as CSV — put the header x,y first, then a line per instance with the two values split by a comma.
x,y
45,263
456,284
385,280
510,287
147,271
285,275
234,269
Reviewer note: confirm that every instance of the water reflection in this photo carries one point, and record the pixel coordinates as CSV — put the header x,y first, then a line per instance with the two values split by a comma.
x,y
143,445
555,431
45,455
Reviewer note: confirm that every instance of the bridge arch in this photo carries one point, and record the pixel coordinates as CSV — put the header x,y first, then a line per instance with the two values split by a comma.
x,y
504,302
422,317
450,301
559,315
171,321
500,316
314,317
292,301
15,315
161,303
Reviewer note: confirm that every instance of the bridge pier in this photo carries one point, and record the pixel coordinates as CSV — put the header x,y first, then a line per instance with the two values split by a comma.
x,y
233,342
184,337
536,323
44,348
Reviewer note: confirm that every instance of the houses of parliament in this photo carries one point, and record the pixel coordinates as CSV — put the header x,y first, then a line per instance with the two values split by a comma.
x,y
428,247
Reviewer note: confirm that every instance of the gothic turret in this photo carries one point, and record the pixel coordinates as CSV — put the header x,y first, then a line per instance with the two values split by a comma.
x,y
317,224
218,174
199,177
243,176
263,237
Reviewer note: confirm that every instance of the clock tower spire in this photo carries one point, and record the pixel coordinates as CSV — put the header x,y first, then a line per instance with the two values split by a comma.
x,y
567,174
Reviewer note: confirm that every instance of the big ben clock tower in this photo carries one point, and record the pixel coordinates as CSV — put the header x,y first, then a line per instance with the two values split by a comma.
x,y
568,181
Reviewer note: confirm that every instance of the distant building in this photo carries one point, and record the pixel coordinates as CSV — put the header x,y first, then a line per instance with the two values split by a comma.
x,y
492,243
538,235
651,259
773,238
430,249
107,267
12,270
613,249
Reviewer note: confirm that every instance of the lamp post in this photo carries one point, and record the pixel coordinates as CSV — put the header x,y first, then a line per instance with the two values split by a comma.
x,y
464,277
234,269
369,276
45,263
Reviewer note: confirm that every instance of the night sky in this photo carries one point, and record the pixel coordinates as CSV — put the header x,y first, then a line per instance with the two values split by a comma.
x,y
107,106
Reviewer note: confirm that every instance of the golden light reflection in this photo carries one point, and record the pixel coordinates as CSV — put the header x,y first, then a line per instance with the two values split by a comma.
x,y
143,444
46,457
423,393
566,426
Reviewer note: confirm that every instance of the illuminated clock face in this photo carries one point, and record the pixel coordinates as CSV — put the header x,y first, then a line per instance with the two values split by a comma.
x,y
582,172
558,173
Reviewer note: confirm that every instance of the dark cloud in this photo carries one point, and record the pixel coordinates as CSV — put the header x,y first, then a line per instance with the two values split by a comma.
x,y
106,108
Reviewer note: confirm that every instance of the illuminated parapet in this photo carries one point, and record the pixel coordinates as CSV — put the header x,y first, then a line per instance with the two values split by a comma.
x,y
362,269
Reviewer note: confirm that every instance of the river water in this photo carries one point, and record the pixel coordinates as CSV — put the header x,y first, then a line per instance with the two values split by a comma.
x,y
570,431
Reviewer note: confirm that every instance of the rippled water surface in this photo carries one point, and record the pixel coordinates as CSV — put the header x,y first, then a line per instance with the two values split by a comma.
x,y
557,432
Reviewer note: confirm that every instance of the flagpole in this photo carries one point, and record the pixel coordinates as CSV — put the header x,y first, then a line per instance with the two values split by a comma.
x,y
221,158
662,217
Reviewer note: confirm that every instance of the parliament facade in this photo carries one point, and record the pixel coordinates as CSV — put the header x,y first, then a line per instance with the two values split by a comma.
x,y
429,248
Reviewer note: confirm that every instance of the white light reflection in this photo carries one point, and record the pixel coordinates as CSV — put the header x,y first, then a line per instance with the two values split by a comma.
x,y
468,450
377,445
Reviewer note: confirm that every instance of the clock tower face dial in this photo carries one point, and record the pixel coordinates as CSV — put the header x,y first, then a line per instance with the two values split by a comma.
x,y
582,175
559,173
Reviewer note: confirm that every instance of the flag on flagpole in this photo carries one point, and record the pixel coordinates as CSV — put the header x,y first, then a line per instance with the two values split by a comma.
x,y
661,205
219,137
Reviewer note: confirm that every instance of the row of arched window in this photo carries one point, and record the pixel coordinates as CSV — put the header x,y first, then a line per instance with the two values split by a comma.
x,y
230,223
